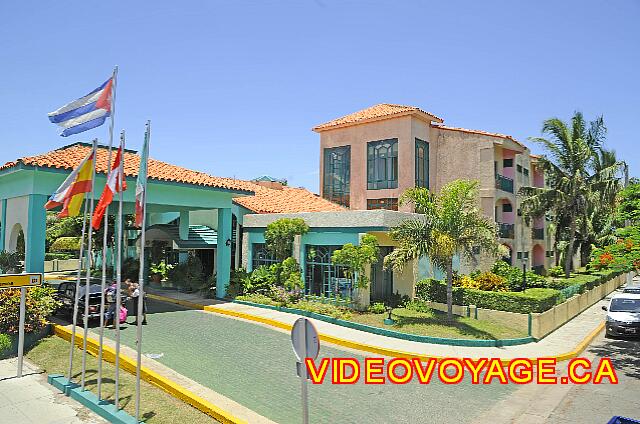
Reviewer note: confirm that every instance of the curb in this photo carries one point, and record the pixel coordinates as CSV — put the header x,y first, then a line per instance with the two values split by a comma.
x,y
163,383
184,303
580,347
398,353
392,333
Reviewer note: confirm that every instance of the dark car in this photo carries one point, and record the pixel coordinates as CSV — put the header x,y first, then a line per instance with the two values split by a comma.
x,y
66,295
634,290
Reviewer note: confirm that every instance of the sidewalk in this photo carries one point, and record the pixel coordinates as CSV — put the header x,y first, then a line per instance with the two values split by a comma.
x,y
31,399
566,342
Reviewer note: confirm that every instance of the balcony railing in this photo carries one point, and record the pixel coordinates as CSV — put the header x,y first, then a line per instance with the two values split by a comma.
x,y
504,183
537,233
505,230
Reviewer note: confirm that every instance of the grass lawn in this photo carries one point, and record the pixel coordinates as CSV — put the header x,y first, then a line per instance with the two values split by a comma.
x,y
52,355
434,323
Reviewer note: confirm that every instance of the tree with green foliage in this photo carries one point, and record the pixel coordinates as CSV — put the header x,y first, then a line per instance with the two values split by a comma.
x,y
629,203
580,173
280,234
355,258
451,224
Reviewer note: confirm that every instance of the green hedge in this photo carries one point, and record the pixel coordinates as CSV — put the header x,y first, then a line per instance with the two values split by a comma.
x,y
531,300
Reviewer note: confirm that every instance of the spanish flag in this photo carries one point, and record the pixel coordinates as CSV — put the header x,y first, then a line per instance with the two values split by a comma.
x,y
71,193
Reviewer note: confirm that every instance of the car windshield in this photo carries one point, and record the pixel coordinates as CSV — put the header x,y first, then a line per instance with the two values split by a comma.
x,y
625,305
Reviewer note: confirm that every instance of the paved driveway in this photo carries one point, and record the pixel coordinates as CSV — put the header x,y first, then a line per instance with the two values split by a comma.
x,y
254,365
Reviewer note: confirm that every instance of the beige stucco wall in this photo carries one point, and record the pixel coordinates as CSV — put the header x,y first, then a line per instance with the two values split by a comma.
x,y
357,137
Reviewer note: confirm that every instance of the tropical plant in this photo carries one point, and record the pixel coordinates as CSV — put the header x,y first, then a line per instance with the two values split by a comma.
x,y
450,225
280,234
629,203
579,173
9,261
161,268
40,304
290,275
355,258
188,275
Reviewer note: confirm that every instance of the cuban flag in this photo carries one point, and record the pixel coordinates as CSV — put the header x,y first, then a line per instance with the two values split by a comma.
x,y
85,113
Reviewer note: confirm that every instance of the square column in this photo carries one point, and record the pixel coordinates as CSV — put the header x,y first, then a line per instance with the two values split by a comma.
x,y
223,252
35,236
183,229
3,223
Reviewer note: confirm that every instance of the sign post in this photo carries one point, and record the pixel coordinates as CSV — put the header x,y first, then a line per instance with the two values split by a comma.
x,y
306,344
21,281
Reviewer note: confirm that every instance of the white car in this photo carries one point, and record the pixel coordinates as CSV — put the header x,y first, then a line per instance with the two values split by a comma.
x,y
623,315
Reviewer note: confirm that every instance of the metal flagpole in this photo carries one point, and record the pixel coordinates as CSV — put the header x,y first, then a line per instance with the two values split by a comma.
x,y
119,282
103,282
89,257
77,292
147,136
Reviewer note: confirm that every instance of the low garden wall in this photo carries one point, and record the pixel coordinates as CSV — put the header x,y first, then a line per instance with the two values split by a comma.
x,y
61,265
537,324
544,323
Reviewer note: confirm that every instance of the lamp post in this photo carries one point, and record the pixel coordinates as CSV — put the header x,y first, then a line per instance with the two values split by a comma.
x,y
389,320
524,273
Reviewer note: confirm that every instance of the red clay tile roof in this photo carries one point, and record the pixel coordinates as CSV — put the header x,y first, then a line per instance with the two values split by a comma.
x,y
287,200
490,134
69,157
374,113
265,200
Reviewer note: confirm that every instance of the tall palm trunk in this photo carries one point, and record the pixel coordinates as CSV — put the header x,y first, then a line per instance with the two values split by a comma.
x,y
450,290
568,260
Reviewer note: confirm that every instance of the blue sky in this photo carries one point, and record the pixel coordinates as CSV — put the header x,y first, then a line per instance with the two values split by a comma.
x,y
233,88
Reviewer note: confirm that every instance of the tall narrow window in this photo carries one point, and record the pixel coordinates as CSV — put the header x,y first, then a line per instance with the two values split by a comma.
x,y
337,173
422,163
382,164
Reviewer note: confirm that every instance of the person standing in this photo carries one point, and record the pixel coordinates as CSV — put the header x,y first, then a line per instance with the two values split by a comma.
x,y
133,289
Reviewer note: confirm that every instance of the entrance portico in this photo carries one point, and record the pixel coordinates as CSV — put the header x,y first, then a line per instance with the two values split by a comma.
x,y
26,184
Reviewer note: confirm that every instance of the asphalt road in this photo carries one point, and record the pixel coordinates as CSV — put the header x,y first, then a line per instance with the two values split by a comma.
x,y
254,365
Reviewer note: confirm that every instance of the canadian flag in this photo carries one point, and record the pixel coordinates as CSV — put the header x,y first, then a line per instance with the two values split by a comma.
x,y
116,182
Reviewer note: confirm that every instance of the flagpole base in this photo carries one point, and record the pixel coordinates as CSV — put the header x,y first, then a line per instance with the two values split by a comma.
x,y
103,408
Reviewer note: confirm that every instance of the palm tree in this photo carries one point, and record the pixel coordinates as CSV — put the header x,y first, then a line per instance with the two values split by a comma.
x,y
450,225
577,176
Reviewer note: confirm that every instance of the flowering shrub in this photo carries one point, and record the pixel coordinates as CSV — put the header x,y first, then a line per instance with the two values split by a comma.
x,y
40,304
284,297
623,255
487,281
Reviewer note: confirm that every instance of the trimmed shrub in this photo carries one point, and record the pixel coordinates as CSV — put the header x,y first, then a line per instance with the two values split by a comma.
x,y
5,342
531,300
65,244
61,256
556,271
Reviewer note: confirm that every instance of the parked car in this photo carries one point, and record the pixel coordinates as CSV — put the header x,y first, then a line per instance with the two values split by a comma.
x,y
66,294
623,315
633,289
